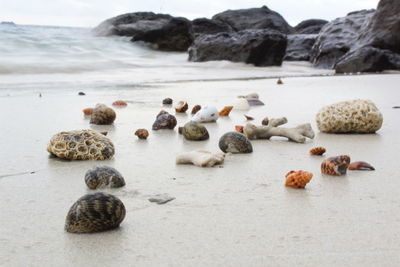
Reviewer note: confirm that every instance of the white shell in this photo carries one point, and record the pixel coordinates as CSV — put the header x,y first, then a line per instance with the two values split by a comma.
x,y
241,104
206,114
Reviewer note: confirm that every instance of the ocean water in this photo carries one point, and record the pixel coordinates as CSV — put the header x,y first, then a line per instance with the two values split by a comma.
x,y
47,57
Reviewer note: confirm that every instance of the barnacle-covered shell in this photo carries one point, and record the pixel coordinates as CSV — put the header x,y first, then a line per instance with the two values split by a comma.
x,y
81,145
196,109
335,165
120,103
235,142
206,114
164,120
298,179
102,115
167,101
95,213
195,131
142,133
317,151
181,107
103,176
87,111
225,111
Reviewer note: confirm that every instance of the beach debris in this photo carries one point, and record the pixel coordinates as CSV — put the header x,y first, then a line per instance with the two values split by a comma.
x,y
195,131
180,129
142,133
360,166
161,199
396,107
241,104
225,111
102,115
357,116
206,114
298,179
249,118
335,165
164,120
297,134
239,128
251,95
81,145
234,142
87,111
200,158
40,94
119,103
255,102
95,213
265,121
81,93
104,133
317,151
167,101
195,109
279,81
104,176
181,107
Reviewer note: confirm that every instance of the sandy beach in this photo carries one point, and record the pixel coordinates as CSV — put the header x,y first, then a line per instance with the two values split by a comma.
x,y
238,215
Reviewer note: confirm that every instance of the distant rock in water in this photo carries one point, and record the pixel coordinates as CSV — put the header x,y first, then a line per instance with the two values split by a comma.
x,y
7,23
208,26
258,47
299,47
310,26
254,18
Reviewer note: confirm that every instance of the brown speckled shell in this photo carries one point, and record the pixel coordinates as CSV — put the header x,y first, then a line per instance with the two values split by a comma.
x,y
225,111
196,109
102,115
298,179
335,165
142,133
317,151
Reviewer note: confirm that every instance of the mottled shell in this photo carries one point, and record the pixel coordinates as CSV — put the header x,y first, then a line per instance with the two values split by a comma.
x,y
360,166
298,179
167,101
225,111
335,165
87,111
235,142
120,103
317,151
81,145
95,213
104,176
195,131
102,115
181,107
196,109
142,133
164,120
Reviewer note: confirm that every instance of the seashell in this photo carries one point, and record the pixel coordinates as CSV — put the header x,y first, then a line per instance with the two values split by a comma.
x,y
95,213
206,114
254,102
81,145
317,151
249,118
195,131
180,130
335,165
235,142
360,166
87,111
167,101
195,109
104,133
265,121
298,179
279,81
81,93
102,115
241,104
181,107
200,158
252,95
225,111
396,107
104,176
164,120
142,133
120,103
239,128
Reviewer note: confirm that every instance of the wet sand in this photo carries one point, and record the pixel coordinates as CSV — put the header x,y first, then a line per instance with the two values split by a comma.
x,y
238,215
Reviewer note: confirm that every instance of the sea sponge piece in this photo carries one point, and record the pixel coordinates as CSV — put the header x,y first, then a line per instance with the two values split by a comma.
x,y
102,115
81,145
356,116
200,158
298,179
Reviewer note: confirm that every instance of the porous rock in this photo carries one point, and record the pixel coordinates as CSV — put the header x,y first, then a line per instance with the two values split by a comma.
x,y
102,115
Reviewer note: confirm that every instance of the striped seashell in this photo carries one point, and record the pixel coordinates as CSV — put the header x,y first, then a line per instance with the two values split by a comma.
x,y
298,179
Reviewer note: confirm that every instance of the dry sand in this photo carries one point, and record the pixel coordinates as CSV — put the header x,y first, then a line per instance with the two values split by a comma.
x,y
239,215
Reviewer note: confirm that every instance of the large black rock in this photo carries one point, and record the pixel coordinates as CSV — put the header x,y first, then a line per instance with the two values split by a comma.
x,y
299,47
208,26
258,47
254,18
310,26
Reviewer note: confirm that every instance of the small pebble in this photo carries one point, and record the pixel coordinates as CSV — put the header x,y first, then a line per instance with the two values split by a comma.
x,y
161,199
167,101
81,93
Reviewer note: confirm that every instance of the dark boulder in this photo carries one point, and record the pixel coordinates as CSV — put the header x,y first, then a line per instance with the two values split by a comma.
x,y
310,26
258,47
299,47
208,26
337,37
254,18
131,24
176,35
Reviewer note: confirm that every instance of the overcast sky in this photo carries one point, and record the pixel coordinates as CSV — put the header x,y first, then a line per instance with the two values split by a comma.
x,y
91,12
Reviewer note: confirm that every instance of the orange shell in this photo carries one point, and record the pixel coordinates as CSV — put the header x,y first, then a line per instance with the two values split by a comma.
x,y
298,179
361,166
87,111
239,128
317,151
119,103
181,107
225,111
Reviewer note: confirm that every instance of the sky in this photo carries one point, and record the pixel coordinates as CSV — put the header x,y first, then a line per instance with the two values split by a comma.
x,y
89,13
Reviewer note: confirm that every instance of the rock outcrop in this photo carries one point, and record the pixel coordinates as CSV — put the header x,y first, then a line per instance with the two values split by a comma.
x,y
299,47
208,26
310,26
